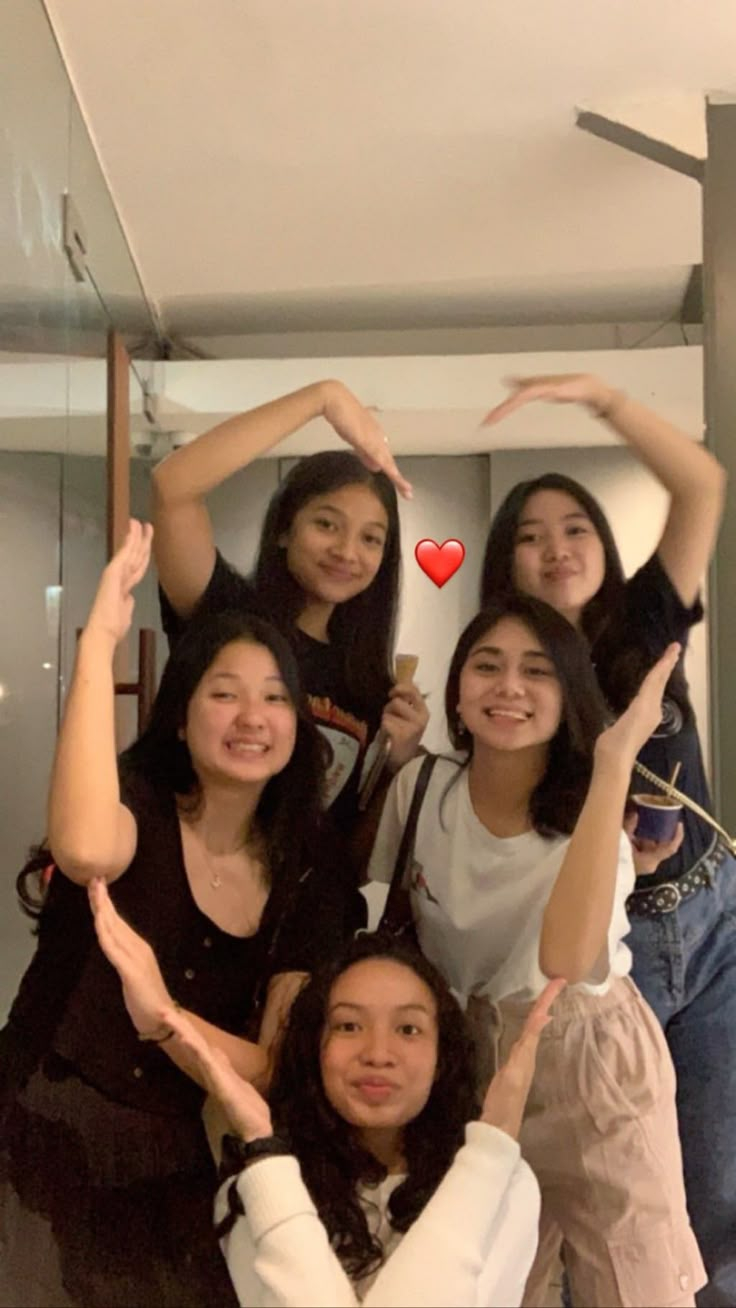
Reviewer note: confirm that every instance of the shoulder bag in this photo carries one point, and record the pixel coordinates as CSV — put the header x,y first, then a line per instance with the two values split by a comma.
x,y
397,918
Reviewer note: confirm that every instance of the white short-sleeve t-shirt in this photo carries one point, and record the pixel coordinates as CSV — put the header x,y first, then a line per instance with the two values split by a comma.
x,y
478,900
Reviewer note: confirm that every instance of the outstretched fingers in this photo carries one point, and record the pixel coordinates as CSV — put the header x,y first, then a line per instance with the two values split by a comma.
x,y
105,925
658,676
524,393
135,553
388,465
117,940
539,1015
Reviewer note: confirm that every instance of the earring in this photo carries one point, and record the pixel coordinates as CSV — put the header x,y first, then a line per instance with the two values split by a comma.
x,y
460,726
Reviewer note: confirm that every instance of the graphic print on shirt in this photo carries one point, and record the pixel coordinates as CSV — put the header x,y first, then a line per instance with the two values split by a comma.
x,y
420,885
346,736
672,720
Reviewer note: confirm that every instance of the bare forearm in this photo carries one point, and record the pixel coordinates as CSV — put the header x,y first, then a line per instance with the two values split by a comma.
x,y
249,1060
578,915
683,466
84,796
196,469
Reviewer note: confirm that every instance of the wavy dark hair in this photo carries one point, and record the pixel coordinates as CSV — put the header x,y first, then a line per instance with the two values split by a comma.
x,y
163,758
620,669
332,1160
362,628
556,801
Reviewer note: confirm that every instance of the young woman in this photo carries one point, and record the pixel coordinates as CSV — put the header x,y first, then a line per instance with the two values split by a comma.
x,y
550,538
105,1174
327,570
520,873
367,1179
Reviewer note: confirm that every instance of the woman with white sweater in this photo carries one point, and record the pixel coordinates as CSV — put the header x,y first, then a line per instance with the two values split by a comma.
x,y
370,1177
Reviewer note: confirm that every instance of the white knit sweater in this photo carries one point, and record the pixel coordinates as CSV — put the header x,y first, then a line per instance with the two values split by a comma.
x,y
472,1245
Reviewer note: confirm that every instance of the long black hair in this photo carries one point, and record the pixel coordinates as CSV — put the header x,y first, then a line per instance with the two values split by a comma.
x,y
557,799
363,627
162,757
332,1159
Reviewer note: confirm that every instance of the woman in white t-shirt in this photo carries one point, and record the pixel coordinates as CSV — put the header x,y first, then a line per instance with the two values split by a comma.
x,y
520,873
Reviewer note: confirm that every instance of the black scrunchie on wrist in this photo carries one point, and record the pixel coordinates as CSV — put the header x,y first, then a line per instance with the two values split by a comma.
x,y
237,1154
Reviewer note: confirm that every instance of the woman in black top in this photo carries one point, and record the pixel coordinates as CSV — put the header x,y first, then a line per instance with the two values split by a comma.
x,y
194,832
551,539
327,570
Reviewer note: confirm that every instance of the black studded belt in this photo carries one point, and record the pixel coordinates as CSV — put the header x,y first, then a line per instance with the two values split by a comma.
x,y
668,896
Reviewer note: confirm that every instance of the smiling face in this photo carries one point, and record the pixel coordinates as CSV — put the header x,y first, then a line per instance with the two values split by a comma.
x,y
379,1047
558,554
509,694
241,722
335,545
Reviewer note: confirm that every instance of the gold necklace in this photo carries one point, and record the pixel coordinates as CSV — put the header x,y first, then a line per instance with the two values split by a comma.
x,y
215,879
213,876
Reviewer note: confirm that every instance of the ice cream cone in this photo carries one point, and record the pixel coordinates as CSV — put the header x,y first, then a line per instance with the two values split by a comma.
x,y
406,666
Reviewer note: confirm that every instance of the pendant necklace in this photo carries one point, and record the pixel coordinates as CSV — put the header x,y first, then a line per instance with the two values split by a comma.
x,y
213,876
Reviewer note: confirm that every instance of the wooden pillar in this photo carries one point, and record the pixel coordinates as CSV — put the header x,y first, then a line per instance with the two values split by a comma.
x,y
719,319
118,441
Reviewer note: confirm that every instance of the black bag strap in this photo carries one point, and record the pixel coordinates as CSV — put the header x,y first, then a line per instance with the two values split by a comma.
x,y
397,916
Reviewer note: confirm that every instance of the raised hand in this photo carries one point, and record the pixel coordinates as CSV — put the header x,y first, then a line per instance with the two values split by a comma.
x,y
112,609
508,1092
624,739
404,720
565,388
360,428
144,992
245,1109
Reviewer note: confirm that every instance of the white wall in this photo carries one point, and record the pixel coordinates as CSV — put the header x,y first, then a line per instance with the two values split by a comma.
x,y
450,501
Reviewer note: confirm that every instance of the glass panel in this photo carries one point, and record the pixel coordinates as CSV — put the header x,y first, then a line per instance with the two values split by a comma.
x,y
33,391
53,332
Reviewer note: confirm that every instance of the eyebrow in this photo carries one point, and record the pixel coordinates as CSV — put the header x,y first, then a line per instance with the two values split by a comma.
x,y
399,1008
494,649
539,522
233,676
334,509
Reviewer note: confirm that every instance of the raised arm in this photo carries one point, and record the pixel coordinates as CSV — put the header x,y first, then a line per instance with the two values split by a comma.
x,y
578,915
185,548
475,1241
90,832
694,479
279,1254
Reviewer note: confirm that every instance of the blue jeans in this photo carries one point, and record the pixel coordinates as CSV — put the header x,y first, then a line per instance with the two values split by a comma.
x,y
685,966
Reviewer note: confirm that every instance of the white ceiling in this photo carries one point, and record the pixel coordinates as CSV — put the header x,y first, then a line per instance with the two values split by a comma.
x,y
348,166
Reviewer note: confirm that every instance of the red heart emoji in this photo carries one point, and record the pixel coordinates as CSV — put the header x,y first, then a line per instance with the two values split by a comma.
x,y
440,562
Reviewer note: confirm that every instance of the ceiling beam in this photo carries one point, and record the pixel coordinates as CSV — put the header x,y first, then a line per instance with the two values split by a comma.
x,y
667,130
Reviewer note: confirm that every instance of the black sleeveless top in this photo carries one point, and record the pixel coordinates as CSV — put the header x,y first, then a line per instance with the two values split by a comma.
x,y
70,998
